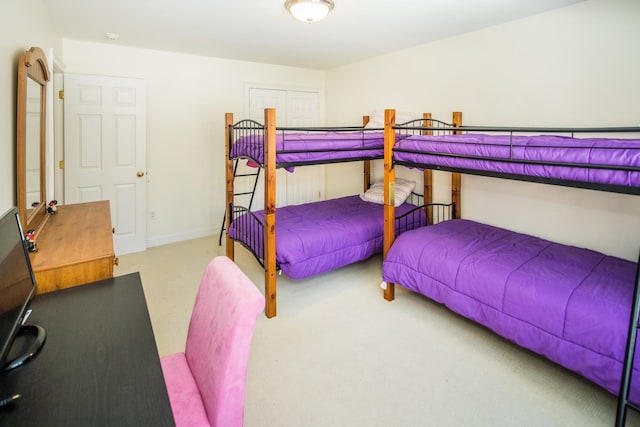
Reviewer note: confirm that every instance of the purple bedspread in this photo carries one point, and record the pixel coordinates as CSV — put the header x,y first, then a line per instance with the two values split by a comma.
x,y
483,152
313,146
317,237
569,304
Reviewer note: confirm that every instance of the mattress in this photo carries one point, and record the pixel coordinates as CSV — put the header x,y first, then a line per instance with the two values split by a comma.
x,y
587,160
314,238
569,304
312,147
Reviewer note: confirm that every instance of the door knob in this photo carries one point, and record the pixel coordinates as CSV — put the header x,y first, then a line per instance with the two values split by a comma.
x,y
140,174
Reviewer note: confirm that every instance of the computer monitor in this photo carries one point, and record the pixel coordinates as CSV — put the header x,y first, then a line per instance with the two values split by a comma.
x,y
17,289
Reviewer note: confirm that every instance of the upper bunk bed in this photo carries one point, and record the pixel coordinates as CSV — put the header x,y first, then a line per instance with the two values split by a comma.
x,y
306,146
606,159
315,237
575,306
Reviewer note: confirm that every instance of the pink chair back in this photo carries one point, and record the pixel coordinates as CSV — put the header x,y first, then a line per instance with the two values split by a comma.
x,y
219,339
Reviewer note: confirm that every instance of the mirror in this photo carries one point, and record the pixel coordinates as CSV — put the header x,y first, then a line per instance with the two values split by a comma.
x,y
33,75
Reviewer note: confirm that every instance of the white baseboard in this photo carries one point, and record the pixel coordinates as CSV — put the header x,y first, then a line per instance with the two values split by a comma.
x,y
175,238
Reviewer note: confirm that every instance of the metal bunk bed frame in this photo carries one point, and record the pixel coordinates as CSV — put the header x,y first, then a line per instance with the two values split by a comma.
x,y
624,402
268,130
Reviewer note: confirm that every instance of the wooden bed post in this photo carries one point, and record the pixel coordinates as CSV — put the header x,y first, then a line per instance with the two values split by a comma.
x,y
456,178
389,191
270,211
367,163
228,121
427,178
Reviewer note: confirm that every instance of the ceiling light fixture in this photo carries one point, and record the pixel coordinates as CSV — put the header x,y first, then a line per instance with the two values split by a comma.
x,y
309,10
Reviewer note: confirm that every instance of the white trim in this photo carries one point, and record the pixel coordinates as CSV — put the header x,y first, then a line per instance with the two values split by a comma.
x,y
175,238
58,65
58,137
50,136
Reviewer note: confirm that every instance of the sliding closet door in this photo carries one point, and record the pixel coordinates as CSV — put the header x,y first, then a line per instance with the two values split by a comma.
x,y
294,108
307,183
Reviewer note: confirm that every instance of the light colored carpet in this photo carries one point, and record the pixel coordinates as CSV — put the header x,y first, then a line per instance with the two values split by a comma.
x,y
338,354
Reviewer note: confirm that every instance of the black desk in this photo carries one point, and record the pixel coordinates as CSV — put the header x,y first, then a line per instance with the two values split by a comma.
x,y
99,365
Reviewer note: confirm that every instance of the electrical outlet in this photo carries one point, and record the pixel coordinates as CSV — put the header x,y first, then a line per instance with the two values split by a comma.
x,y
152,215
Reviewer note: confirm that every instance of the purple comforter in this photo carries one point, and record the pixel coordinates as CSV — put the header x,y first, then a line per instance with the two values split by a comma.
x,y
569,304
487,152
312,147
317,237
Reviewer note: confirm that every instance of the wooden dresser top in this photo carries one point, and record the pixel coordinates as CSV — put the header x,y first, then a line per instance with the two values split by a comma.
x,y
75,234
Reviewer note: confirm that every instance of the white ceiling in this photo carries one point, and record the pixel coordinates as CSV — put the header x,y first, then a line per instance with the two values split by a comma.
x,y
262,30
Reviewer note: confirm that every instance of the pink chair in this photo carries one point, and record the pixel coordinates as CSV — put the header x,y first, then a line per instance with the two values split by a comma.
x,y
206,383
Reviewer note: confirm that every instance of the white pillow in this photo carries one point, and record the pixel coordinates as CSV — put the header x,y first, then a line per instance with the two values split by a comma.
x,y
375,193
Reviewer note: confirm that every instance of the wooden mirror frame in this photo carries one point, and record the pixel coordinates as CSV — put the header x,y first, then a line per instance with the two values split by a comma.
x,y
31,65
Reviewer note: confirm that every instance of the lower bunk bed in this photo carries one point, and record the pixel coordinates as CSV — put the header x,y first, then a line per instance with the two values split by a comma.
x,y
317,237
569,304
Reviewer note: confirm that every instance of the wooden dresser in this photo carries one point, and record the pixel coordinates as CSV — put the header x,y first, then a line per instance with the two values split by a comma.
x,y
75,247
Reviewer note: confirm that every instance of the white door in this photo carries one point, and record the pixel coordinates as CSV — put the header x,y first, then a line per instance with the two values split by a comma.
x,y
303,108
294,109
307,184
105,151
259,99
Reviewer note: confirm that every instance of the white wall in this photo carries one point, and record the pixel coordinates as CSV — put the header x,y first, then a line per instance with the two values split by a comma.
x,y
23,24
187,97
575,66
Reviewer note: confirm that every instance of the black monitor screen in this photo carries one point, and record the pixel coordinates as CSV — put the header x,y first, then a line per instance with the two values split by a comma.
x,y
17,284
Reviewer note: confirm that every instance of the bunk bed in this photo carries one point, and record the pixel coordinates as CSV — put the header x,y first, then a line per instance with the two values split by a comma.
x,y
315,237
577,307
